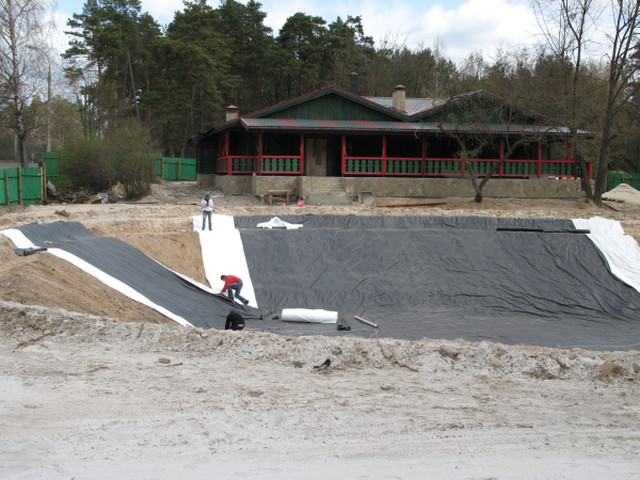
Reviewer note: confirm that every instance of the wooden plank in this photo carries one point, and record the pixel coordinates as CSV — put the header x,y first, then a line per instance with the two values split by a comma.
x,y
19,185
427,204
44,181
366,322
6,187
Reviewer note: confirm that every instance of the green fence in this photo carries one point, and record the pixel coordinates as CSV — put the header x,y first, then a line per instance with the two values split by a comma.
x,y
52,161
173,169
21,186
25,186
170,169
614,179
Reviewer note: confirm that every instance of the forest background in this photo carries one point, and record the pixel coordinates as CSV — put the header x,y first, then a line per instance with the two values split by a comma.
x,y
123,76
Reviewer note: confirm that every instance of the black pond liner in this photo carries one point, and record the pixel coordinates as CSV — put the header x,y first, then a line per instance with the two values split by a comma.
x,y
514,281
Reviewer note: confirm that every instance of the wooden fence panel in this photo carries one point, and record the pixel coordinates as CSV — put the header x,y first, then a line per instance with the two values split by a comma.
x,y
21,186
173,169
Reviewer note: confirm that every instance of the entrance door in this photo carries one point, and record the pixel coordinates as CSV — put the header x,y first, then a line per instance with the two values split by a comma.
x,y
316,156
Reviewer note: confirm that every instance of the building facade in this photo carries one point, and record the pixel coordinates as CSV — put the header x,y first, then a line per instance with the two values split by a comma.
x,y
334,133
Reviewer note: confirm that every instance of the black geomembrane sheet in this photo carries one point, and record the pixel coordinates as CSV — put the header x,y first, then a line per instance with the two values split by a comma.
x,y
539,282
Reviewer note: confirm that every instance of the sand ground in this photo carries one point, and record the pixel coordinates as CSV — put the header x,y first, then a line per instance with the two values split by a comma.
x,y
94,385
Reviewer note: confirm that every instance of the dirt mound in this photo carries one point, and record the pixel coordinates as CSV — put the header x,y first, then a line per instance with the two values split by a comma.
x,y
57,326
623,193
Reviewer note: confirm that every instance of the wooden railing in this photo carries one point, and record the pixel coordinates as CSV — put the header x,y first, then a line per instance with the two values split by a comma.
x,y
402,167
265,165
455,167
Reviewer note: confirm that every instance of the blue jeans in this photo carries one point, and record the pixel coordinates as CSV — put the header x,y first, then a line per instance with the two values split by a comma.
x,y
206,215
237,287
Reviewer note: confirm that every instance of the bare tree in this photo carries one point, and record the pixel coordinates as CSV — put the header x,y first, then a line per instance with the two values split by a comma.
x,y
622,70
469,155
472,72
487,127
566,25
22,28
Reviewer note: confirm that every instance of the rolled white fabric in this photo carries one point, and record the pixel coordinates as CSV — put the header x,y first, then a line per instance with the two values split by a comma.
x,y
308,315
276,222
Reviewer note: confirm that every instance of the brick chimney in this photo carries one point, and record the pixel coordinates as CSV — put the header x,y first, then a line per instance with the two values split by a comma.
x,y
232,112
353,82
399,98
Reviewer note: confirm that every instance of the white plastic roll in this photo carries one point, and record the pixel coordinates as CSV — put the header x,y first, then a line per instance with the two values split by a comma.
x,y
308,315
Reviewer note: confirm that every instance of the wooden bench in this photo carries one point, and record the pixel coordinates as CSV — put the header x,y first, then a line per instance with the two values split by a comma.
x,y
283,194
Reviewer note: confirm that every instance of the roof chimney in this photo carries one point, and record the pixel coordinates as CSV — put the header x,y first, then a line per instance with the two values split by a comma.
x,y
353,86
399,98
232,112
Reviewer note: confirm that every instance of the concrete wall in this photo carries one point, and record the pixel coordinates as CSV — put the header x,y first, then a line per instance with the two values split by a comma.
x,y
261,185
347,190
462,187
226,183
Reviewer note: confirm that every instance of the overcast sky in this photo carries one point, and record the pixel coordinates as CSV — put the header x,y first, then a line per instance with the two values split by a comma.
x,y
461,27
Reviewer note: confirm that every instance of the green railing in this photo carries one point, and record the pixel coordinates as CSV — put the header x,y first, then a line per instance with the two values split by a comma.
x,y
443,167
434,167
520,168
284,164
268,165
482,167
404,167
242,164
361,165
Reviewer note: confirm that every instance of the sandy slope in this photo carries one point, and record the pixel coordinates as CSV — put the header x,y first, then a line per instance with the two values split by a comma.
x,y
87,396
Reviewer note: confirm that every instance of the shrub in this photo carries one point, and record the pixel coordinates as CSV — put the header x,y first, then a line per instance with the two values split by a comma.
x,y
130,148
89,166
122,156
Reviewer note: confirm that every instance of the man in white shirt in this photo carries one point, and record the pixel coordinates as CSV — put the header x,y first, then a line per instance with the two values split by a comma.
x,y
207,207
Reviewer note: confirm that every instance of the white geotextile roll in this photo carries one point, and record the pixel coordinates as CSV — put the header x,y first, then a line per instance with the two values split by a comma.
x,y
308,315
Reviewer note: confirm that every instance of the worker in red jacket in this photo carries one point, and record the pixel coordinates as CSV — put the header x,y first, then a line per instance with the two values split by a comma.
x,y
233,286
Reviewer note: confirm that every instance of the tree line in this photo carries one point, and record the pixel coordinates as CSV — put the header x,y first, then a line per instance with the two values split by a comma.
x,y
121,66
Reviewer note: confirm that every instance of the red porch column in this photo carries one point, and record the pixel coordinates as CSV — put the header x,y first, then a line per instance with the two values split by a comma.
x,y
227,142
259,169
462,163
501,157
539,158
302,154
424,156
343,155
384,155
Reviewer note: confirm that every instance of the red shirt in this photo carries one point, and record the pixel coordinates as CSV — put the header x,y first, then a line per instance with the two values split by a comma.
x,y
229,280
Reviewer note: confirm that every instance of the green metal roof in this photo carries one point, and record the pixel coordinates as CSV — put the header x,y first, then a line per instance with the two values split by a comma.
x,y
413,106
332,109
264,124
